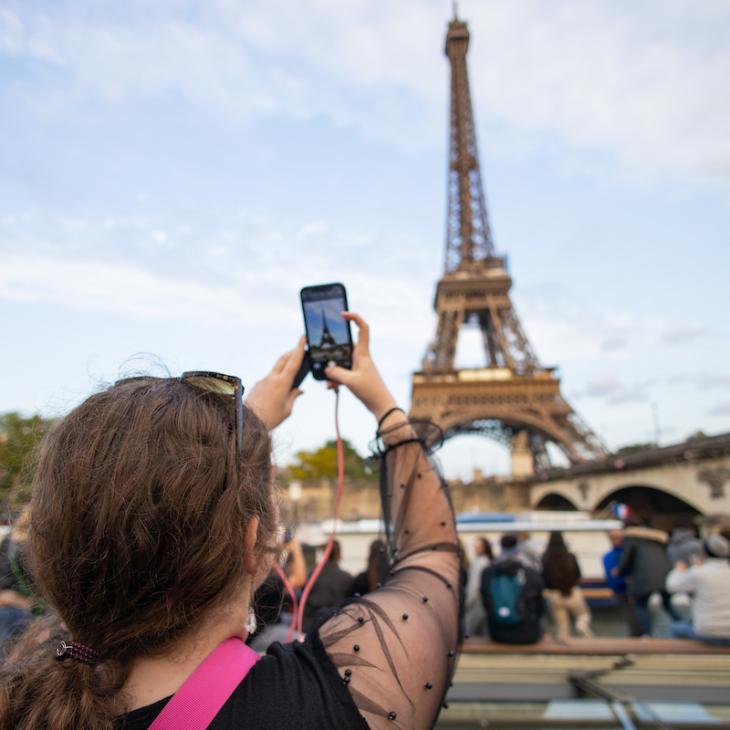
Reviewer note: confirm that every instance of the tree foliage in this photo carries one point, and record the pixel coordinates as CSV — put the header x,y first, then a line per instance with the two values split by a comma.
x,y
321,463
633,448
19,437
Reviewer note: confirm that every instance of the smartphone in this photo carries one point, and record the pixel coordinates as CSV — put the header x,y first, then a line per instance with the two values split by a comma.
x,y
329,339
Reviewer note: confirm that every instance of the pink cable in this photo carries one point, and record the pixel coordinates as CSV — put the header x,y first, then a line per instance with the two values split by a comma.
x,y
299,617
293,595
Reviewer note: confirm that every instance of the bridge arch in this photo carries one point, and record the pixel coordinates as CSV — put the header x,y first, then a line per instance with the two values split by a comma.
x,y
648,496
554,501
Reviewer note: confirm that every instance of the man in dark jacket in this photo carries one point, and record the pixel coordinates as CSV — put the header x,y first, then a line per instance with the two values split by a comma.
x,y
617,583
645,565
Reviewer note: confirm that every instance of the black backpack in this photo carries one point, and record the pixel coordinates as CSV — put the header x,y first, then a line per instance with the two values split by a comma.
x,y
512,597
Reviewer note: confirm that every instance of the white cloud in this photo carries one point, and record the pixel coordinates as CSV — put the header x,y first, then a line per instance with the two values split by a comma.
x,y
702,380
562,325
203,272
232,267
720,409
615,392
643,82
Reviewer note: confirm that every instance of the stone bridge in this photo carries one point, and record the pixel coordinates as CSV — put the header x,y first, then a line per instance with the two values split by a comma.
x,y
691,478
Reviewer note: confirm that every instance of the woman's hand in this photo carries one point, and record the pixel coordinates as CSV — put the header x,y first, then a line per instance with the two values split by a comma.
x,y
364,379
272,398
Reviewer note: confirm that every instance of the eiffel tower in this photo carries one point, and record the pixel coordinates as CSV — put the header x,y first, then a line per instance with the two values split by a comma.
x,y
513,398
327,340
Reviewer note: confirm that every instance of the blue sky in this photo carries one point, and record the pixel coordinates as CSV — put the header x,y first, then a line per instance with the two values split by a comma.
x,y
171,174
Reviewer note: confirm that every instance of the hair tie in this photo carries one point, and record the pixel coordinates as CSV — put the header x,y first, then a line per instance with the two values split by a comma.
x,y
388,413
77,651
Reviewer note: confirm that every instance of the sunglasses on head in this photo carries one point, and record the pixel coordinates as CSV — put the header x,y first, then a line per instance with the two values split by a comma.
x,y
211,382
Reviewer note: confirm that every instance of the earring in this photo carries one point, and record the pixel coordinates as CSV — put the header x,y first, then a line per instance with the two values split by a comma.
x,y
250,624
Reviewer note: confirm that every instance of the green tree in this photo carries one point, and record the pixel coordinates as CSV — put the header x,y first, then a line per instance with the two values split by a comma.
x,y
633,448
19,437
321,463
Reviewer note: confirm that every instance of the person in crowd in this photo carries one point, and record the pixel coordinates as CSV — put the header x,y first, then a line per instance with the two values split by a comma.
x,y
725,532
512,596
154,520
331,588
684,546
708,579
373,576
617,583
16,598
508,548
561,574
476,617
272,603
463,566
645,565
530,551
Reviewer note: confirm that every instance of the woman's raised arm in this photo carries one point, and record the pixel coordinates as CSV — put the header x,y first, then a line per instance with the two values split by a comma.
x,y
395,648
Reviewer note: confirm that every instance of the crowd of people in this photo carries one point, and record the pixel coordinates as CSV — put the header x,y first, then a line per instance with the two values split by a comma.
x,y
512,596
509,595
506,594
651,564
518,593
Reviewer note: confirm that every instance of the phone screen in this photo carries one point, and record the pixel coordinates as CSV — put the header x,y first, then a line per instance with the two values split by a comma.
x,y
328,332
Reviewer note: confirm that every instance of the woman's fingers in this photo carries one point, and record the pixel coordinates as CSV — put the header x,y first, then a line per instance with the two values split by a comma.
x,y
339,375
280,363
363,330
294,358
292,397
290,360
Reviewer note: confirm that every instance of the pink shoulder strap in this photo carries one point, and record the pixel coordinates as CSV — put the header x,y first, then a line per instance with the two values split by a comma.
x,y
206,690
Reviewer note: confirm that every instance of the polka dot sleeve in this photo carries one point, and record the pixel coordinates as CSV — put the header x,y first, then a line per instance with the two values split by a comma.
x,y
395,648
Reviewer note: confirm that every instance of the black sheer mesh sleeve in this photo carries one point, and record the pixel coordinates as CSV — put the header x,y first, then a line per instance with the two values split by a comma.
x,y
396,648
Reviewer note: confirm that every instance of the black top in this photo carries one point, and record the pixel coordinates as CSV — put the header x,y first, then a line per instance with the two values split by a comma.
x,y
360,584
644,560
295,685
332,586
561,575
269,600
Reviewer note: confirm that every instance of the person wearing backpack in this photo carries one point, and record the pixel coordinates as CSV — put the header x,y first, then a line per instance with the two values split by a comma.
x,y
512,596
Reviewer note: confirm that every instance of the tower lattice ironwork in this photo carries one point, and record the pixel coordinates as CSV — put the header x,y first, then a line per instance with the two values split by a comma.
x,y
512,397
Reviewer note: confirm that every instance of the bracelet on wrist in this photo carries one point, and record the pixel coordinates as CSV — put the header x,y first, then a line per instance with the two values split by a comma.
x,y
389,412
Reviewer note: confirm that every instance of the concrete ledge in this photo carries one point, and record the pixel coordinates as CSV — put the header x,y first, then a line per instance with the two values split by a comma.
x,y
602,646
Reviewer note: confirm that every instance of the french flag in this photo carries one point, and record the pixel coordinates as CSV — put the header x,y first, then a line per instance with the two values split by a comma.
x,y
620,511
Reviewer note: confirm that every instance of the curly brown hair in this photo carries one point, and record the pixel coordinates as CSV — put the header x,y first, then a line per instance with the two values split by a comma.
x,y
140,504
